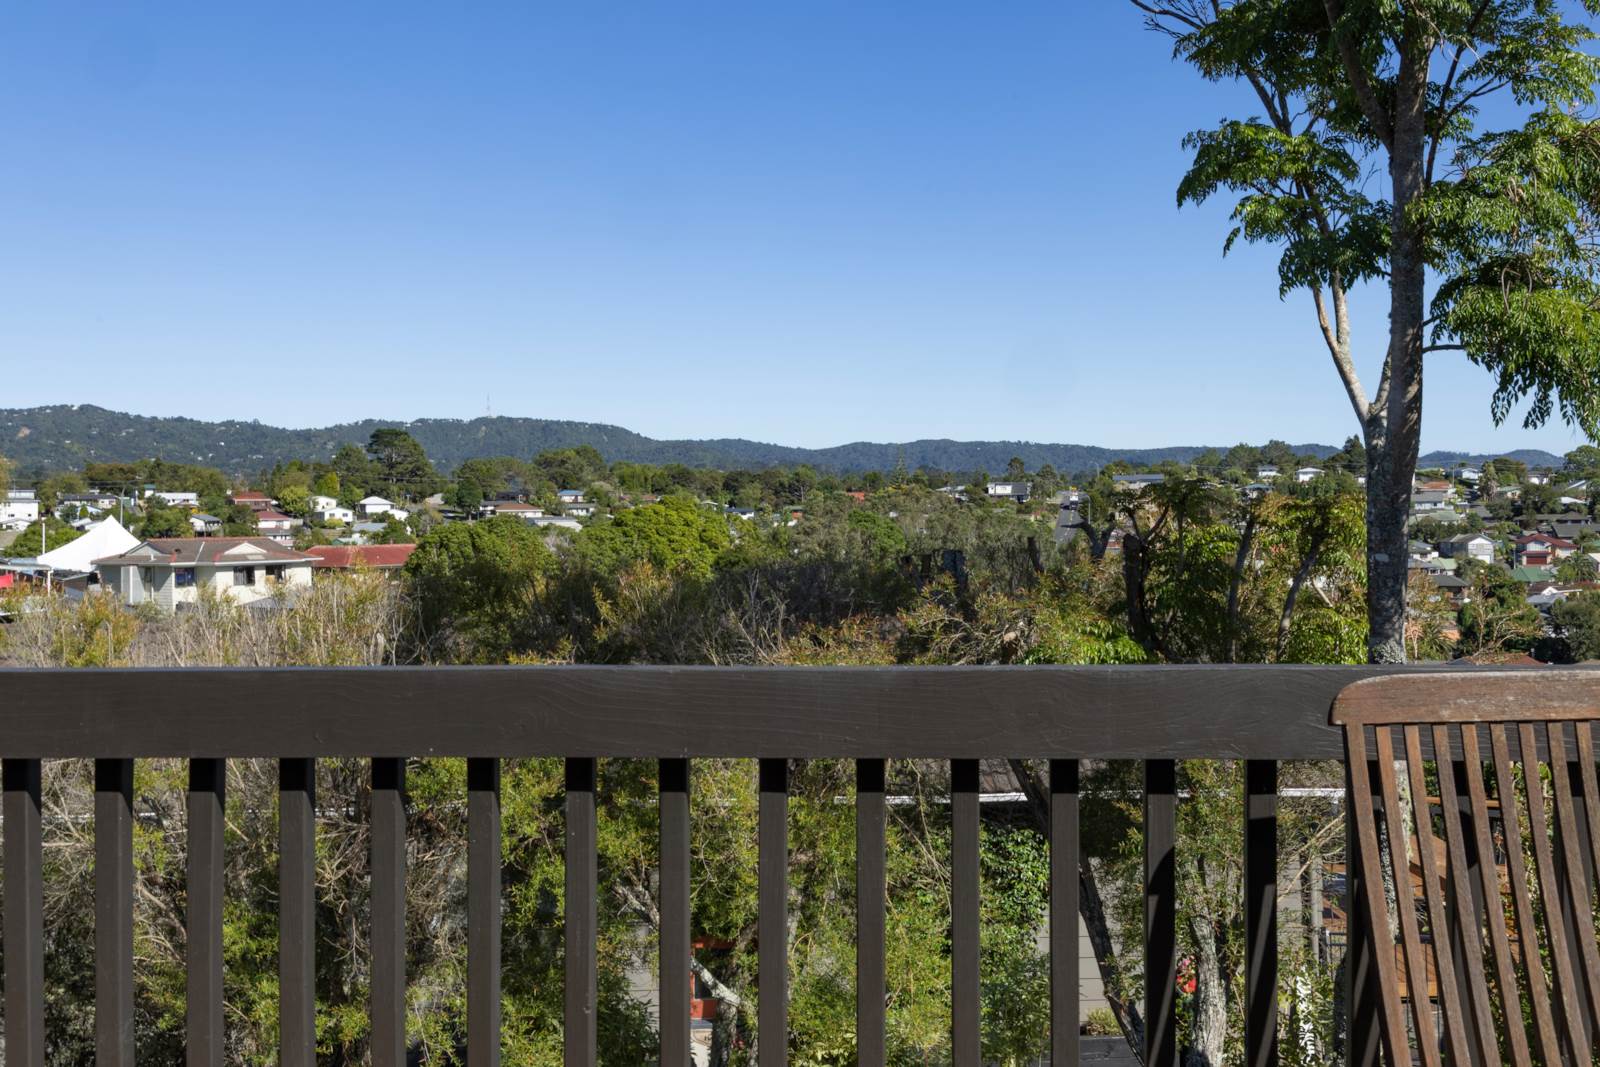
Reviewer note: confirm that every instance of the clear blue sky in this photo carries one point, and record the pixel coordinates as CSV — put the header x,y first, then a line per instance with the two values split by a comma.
x,y
805,223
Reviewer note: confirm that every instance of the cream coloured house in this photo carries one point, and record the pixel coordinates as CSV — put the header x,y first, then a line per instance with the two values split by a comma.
x,y
169,571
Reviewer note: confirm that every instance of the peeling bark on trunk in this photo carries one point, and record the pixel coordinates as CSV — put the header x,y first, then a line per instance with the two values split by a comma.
x,y
1210,1000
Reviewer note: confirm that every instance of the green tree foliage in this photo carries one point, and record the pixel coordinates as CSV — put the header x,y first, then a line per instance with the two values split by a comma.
x,y
475,584
1495,221
165,522
1578,620
1496,616
676,536
400,465
55,534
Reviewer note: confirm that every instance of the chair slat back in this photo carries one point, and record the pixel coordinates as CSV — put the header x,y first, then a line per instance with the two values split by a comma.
x,y
1477,820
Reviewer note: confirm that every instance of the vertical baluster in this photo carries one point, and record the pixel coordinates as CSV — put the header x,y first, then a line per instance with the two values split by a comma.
x,y
965,1007
1261,912
483,912
870,902
772,925
1064,992
676,973
203,955
581,915
297,913
1160,914
24,915
388,1006
113,912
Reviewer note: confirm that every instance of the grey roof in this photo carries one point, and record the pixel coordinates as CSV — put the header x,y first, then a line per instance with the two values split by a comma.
x,y
188,551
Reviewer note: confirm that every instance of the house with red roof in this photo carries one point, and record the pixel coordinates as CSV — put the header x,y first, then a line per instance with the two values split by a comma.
x,y
344,558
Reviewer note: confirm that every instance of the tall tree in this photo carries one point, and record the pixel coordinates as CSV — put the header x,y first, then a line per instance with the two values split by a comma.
x,y
401,463
1499,223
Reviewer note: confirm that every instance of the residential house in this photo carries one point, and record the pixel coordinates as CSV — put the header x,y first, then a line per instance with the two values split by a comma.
x,y
570,496
1266,474
328,516
556,521
1132,483
1541,550
276,525
252,500
1470,474
741,513
1530,575
205,525
514,508
362,532
344,558
1430,501
1017,491
376,507
174,499
170,572
1306,474
321,502
581,510
19,508
97,501
1468,546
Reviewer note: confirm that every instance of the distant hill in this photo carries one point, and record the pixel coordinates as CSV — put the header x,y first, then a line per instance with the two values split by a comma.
x,y
65,436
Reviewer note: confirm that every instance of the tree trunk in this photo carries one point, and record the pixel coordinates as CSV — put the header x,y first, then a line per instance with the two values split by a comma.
x,y
1210,999
1395,423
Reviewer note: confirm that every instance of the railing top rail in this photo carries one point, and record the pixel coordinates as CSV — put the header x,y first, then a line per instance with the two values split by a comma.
x,y
1470,697
1153,712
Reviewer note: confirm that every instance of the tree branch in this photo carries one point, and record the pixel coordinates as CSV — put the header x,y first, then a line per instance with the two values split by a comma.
x,y
1359,82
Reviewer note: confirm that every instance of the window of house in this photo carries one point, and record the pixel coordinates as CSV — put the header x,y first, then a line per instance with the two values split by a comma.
x,y
275,574
244,576
183,576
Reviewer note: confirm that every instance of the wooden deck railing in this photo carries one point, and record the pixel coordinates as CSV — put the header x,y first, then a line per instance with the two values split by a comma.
x,y
1262,715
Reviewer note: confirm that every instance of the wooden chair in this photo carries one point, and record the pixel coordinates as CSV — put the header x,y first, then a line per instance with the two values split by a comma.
x,y
1477,825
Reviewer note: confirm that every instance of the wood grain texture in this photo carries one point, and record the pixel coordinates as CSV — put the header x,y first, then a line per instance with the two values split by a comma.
x,y
1158,712
1514,696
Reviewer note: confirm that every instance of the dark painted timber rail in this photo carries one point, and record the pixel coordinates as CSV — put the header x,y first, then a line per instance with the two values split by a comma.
x,y
1064,714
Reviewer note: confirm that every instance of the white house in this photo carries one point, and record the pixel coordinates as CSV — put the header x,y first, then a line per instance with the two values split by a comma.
x,y
276,525
205,525
570,496
318,502
580,510
1306,474
1468,546
19,508
167,572
1007,490
376,507
334,513
174,499
1266,474
514,508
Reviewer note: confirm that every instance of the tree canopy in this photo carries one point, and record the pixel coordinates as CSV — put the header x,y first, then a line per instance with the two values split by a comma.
x,y
1496,219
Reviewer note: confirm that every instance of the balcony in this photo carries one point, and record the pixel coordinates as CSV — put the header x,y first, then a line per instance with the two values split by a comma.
x,y
1158,715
